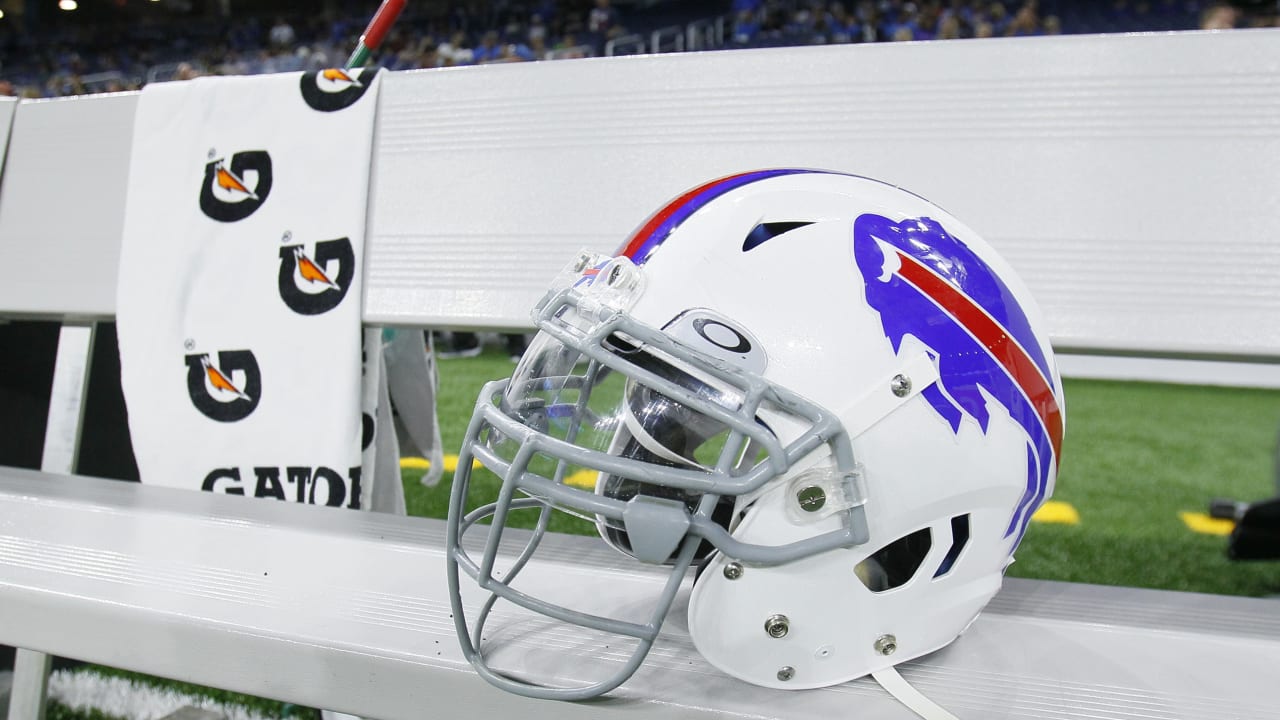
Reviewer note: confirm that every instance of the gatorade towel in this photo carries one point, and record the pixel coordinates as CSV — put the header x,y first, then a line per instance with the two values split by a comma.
x,y
240,286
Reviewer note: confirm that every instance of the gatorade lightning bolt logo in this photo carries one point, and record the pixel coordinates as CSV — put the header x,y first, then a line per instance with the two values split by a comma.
x,y
311,285
333,89
233,190
228,391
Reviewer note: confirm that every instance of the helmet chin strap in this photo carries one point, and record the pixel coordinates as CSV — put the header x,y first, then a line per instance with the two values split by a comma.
x,y
899,688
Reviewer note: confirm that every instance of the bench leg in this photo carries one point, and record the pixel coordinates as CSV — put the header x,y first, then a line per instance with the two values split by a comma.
x,y
66,399
61,446
30,683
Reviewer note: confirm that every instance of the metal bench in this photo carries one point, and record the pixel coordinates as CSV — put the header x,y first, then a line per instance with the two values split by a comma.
x,y
1129,179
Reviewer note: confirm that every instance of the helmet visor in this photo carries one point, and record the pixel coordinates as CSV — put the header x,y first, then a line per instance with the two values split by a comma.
x,y
558,392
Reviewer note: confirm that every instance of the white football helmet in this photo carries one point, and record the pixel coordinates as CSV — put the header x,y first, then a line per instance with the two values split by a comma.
x,y
827,393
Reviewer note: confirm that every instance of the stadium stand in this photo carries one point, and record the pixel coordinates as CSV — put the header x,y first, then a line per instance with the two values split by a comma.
x,y
54,54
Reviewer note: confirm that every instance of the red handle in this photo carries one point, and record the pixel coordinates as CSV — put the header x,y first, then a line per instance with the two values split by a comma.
x,y
381,23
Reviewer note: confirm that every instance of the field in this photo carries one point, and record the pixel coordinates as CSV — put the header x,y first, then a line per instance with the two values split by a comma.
x,y
1137,457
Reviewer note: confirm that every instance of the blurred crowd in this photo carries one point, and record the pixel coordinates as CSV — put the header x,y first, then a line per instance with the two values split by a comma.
x,y
757,22
107,57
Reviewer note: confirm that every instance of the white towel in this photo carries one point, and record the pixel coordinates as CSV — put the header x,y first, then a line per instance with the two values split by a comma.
x,y
240,285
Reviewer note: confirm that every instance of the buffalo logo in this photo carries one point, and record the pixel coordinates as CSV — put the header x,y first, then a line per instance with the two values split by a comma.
x,y
332,90
313,285
234,190
228,391
926,283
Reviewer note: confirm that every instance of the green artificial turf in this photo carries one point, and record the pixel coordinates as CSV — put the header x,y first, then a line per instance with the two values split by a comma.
x,y
460,384
263,707
1135,456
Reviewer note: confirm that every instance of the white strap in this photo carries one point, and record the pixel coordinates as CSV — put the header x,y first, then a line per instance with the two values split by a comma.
x,y
902,690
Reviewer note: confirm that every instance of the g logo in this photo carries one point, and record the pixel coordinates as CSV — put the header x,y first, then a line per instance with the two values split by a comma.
x,y
308,286
333,89
214,390
235,190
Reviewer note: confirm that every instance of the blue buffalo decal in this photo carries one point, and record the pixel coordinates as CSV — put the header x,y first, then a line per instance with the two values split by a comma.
x,y
926,283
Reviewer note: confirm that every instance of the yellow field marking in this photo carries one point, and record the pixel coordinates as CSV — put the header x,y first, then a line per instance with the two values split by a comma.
x,y
1205,525
450,463
1056,511
585,479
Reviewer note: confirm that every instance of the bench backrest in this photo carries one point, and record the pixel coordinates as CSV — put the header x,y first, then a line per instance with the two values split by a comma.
x,y
1130,179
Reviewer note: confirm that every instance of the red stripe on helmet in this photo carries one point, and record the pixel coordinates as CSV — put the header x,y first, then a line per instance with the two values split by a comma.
x,y
1006,350
638,238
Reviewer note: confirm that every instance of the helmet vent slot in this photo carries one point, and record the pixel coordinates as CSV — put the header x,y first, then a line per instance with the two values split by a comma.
x,y
959,538
764,232
895,564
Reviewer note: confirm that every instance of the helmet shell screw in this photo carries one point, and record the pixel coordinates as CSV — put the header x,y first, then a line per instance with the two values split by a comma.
x,y
886,644
733,571
901,385
811,498
786,672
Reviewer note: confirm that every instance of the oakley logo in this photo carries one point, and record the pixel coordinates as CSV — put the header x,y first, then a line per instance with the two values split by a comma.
x,y
719,337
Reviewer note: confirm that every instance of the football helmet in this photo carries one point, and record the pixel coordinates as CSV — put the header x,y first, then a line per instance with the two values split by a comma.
x,y
826,394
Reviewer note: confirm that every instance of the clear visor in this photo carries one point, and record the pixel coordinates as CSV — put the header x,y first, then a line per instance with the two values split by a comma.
x,y
558,392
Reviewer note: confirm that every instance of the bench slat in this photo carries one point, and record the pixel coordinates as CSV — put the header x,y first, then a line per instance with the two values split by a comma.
x,y
62,206
349,611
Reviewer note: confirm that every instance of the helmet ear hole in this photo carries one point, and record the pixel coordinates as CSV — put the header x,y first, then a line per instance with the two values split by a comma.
x,y
893,565
959,539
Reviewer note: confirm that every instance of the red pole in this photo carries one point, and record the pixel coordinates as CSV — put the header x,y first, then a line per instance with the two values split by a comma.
x,y
382,22
373,35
